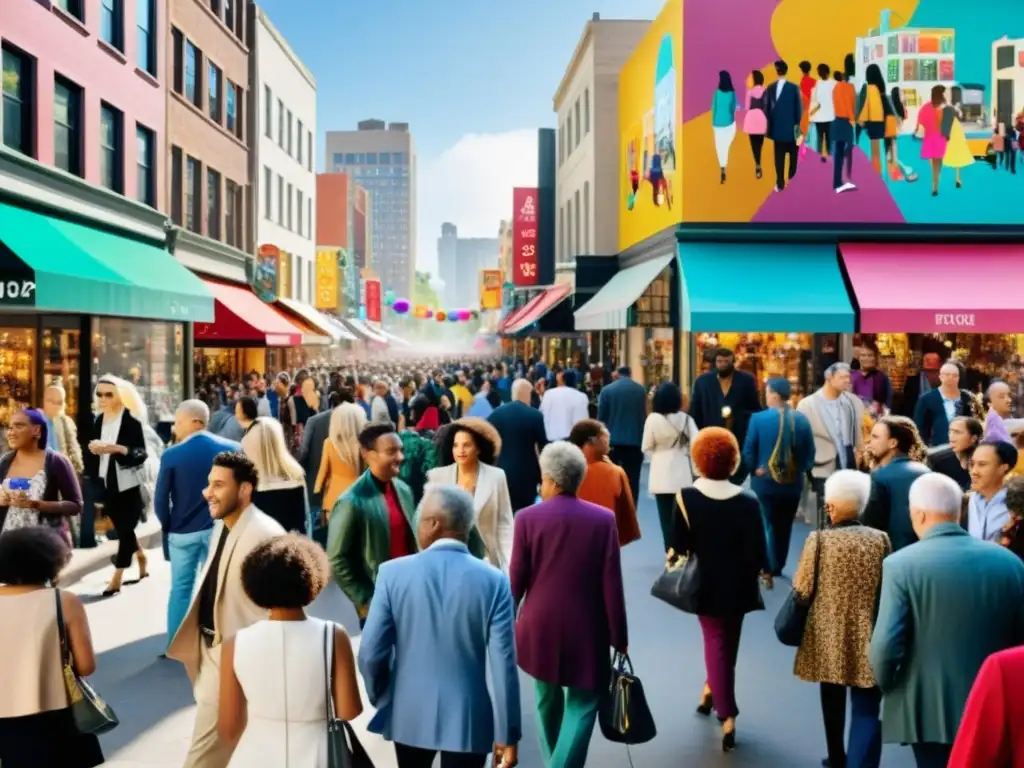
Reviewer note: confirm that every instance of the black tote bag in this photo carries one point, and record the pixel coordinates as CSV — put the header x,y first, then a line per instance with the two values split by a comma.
x,y
791,619
91,714
624,716
679,584
343,747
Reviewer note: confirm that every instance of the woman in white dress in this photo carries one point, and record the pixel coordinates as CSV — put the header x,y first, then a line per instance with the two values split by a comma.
x,y
273,684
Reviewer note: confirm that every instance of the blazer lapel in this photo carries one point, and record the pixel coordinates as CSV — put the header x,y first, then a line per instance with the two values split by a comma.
x,y
485,483
234,536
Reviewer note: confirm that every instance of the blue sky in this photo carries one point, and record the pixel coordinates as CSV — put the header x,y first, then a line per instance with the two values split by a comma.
x,y
468,76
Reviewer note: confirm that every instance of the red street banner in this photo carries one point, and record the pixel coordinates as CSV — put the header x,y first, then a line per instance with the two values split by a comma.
x,y
524,236
373,301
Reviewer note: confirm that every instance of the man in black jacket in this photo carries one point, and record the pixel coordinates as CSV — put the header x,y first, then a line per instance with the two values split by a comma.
x,y
523,437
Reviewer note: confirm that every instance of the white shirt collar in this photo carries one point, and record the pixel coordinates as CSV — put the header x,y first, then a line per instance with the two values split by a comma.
x,y
720,490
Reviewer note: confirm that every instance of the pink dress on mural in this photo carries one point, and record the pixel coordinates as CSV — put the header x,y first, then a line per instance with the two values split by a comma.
x,y
933,144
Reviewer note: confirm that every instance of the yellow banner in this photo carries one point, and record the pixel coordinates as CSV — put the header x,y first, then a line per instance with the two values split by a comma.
x,y
284,274
327,279
490,289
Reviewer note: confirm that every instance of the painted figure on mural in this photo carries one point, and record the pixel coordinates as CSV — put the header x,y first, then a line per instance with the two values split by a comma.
x,y
755,123
785,113
723,120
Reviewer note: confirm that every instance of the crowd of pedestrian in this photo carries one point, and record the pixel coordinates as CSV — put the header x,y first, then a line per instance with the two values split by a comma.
x,y
473,511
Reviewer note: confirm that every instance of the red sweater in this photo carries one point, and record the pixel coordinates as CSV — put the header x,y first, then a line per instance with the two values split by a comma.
x,y
991,735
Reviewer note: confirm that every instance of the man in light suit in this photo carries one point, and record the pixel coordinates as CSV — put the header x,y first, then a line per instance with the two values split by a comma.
x,y
948,602
437,619
784,109
622,407
221,608
837,422
180,505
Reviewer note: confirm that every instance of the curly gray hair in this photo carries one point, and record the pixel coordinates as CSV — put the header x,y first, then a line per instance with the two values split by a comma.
x,y
564,464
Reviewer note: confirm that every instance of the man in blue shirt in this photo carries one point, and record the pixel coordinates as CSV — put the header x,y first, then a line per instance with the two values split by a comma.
x,y
180,506
987,513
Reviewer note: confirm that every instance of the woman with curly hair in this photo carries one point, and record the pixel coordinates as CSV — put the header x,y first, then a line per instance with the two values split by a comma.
x,y
720,523
895,452
273,684
467,455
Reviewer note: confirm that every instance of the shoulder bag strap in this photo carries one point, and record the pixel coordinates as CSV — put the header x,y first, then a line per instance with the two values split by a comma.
x,y
284,678
329,672
682,508
62,632
817,562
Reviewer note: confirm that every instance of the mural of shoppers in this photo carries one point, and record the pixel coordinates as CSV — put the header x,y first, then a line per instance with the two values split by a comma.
x,y
806,90
755,123
929,129
873,108
958,152
782,107
844,105
822,111
723,119
659,184
893,128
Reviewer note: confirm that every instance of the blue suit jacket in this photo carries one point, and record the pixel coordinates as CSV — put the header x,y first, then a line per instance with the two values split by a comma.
x,y
930,416
622,406
436,620
948,602
184,469
762,434
783,111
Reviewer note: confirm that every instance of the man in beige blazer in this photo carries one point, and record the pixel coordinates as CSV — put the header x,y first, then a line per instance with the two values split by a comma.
x,y
220,608
837,422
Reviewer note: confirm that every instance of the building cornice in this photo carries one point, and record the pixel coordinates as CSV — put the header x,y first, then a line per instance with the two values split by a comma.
x,y
574,64
279,39
41,186
210,257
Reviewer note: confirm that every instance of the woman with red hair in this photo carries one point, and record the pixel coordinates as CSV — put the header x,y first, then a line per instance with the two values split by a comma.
x,y
720,524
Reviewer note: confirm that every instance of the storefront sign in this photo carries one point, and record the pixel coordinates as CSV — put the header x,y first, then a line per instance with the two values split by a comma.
x,y
327,279
954,321
490,289
16,291
524,236
372,300
264,279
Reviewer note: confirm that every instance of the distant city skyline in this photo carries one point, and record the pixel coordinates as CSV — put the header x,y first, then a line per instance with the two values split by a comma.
x,y
461,79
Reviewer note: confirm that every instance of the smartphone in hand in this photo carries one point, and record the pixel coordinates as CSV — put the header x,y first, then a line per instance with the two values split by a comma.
x,y
19,484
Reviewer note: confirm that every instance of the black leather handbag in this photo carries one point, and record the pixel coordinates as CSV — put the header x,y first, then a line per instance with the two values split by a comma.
x,y
791,619
343,747
624,716
91,714
679,584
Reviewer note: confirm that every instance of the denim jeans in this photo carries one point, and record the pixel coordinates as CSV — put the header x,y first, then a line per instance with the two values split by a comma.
x,y
864,749
187,553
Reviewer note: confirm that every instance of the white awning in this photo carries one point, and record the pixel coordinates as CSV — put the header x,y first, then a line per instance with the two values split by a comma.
x,y
343,333
397,339
608,310
366,332
317,319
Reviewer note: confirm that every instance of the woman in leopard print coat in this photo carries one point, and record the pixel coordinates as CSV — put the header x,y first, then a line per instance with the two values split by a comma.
x,y
834,650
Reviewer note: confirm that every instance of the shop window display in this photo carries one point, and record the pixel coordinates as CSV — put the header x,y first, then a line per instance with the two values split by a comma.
x,y
765,356
17,371
659,356
147,354
61,352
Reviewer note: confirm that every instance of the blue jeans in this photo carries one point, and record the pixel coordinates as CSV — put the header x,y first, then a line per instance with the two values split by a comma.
x,y
864,749
187,553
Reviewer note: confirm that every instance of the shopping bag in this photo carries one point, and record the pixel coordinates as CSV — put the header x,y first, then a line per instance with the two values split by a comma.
x,y
679,584
92,715
624,716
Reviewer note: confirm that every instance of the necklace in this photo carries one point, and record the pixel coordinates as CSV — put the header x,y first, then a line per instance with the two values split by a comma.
x,y
469,484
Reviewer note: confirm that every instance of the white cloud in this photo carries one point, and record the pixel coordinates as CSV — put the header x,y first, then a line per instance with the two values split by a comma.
x,y
470,184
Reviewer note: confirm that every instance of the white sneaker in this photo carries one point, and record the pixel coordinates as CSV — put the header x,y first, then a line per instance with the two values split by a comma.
x,y
846,187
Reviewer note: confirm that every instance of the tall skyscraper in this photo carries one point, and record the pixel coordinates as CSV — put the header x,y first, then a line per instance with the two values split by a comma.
x,y
459,261
382,159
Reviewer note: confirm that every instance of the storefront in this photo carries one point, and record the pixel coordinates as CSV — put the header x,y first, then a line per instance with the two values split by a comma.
x,y
325,344
542,329
80,298
371,337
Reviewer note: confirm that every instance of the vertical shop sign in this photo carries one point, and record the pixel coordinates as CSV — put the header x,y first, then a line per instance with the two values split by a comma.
x,y
327,279
490,289
264,278
524,236
372,300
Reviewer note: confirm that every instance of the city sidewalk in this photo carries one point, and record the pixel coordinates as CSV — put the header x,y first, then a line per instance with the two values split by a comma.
x,y
87,561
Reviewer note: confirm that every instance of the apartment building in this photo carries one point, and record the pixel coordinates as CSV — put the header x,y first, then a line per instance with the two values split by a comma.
x,y
209,116
284,162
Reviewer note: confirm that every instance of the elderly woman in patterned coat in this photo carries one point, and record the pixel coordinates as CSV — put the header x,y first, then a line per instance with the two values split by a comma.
x,y
843,592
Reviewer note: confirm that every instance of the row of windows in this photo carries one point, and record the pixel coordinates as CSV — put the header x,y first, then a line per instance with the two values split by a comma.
x,y
290,132
575,127
371,171
370,158
205,86
298,219
232,13
70,134
574,233
112,27
206,204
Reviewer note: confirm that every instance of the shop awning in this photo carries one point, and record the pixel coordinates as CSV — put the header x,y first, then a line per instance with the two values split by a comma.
x,y
397,339
537,307
609,309
937,288
510,318
60,266
343,332
766,288
317,320
241,318
365,332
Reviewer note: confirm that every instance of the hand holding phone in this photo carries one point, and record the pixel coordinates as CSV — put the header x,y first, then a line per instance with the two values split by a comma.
x,y
16,484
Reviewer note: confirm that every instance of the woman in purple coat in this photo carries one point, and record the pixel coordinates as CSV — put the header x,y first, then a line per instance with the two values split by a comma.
x,y
566,628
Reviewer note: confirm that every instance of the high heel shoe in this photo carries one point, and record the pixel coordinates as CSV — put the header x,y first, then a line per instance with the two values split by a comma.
x,y
707,703
729,735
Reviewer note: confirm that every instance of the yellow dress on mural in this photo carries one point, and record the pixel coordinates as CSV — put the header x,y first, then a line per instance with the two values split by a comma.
x,y
958,153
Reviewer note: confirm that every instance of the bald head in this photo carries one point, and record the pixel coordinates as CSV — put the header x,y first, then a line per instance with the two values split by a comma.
x,y
54,398
191,416
1000,398
522,391
949,375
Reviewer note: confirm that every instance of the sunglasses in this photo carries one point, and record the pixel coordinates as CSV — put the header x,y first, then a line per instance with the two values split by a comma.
x,y
105,395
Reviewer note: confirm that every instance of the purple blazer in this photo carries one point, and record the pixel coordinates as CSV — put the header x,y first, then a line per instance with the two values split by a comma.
x,y
567,582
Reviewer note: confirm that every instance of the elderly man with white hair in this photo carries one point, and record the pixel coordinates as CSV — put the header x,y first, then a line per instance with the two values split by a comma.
x,y
180,506
948,602
565,563
839,574
437,619
523,437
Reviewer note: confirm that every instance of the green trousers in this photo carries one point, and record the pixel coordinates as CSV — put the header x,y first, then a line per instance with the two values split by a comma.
x,y
566,719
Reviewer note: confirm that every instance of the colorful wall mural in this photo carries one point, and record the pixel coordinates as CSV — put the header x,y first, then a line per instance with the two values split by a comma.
x,y
649,109
935,90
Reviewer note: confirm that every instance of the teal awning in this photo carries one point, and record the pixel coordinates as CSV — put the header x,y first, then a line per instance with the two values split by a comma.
x,y
773,288
609,309
54,265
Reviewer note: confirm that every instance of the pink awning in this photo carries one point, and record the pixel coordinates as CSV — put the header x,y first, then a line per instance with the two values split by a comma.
x,y
937,288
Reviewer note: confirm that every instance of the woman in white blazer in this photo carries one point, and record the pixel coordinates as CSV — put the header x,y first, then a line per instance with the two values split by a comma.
x,y
467,455
668,434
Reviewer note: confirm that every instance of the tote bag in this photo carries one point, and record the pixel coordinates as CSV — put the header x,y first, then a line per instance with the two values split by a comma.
x,y
791,619
679,584
92,715
624,716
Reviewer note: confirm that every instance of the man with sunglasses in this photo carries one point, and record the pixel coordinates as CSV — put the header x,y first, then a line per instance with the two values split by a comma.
x,y
180,506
